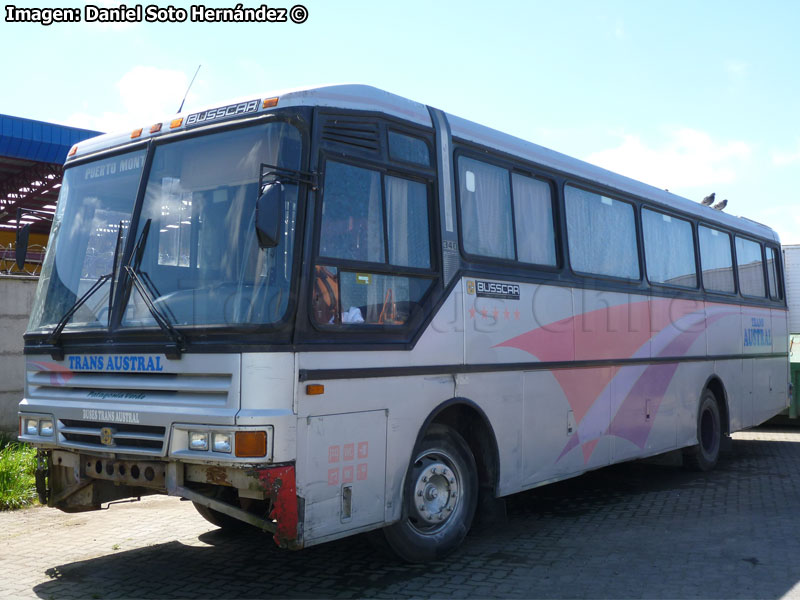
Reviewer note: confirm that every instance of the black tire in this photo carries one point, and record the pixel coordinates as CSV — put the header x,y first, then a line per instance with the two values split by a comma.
x,y
221,520
441,492
704,455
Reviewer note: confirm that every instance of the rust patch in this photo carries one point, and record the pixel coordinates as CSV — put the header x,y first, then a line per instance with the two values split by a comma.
x,y
279,482
217,475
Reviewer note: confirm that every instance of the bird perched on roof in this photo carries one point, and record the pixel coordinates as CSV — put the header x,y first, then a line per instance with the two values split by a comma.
x,y
720,205
709,200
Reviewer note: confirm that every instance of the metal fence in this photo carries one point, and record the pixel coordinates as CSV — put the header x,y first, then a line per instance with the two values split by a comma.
x,y
33,260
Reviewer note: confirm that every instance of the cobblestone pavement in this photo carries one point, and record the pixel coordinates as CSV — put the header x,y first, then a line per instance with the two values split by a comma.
x,y
639,530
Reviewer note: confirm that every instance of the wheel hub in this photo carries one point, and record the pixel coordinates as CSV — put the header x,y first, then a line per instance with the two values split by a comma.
x,y
436,493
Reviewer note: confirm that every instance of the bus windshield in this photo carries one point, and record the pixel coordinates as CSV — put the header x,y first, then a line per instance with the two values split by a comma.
x,y
196,247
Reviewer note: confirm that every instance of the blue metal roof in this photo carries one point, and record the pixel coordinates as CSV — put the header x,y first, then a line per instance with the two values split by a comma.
x,y
38,141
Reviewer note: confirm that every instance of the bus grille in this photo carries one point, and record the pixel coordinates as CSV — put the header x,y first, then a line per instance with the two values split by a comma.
x,y
125,437
207,390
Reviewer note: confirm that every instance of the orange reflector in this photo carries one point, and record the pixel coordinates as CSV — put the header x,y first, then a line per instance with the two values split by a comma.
x,y
269,103
251,443
136,133
73,150
315,389
155,128
175,123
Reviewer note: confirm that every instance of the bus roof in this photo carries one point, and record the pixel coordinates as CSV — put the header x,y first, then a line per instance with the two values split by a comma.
x,y
368,98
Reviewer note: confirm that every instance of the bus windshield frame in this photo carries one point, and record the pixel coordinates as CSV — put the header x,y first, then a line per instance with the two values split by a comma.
x,y
200,261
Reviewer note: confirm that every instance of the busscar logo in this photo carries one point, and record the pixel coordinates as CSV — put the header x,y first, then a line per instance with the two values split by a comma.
x,y
223,112
493,289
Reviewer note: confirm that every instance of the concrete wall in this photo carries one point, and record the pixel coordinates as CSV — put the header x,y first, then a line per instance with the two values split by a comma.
x,y
16,300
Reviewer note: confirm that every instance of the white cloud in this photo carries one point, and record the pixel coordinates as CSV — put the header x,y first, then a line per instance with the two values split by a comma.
x,y
787,226
146,96
736,68
619,29
687,158
782,159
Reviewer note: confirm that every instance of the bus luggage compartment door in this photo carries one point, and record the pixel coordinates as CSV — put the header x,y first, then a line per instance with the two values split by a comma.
x,y
343,480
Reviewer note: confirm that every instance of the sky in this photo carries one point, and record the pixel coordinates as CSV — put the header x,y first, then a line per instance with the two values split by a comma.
x,y
696,97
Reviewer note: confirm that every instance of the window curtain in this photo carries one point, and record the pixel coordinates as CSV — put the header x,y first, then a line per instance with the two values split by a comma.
x,y
485,198
533,219
407,223
602,235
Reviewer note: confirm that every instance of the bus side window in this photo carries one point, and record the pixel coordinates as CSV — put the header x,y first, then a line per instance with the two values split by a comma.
x,y
352,214
485,199
533,220
360,208
772,274
407,223
408,148
592,217
668,249
716,260
751,268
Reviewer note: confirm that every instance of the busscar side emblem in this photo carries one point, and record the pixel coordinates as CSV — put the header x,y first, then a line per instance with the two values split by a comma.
x,y
107,436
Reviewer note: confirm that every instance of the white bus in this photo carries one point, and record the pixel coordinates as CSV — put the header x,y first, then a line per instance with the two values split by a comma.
x,y
335,310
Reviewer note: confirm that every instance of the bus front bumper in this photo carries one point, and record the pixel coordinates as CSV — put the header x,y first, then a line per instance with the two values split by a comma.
x,y
75,482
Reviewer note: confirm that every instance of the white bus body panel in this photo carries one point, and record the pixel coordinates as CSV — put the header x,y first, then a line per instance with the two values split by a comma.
x,y
268,384
549,424
343,462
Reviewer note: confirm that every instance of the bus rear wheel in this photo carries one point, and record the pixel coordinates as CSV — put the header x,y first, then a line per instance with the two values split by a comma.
x,y
440,497
704,455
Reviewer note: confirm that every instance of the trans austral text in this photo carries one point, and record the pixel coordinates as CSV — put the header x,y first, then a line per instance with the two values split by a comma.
x,y
153,13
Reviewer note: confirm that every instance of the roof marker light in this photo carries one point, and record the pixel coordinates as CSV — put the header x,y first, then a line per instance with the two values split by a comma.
x,y
155,128
72,150
136,133
175,123
269,103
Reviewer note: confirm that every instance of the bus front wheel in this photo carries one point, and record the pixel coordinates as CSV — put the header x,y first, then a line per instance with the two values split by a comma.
x,y
704,455
225,522
440,497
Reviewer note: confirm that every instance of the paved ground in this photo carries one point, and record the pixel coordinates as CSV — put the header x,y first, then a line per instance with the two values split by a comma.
x,y
631,531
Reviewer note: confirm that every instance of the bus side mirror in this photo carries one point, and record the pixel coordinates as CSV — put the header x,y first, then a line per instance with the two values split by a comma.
x,y
269,214
21,244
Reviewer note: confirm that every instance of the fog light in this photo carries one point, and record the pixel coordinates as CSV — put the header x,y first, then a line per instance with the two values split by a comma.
x,y
251,443
198,440
31,427
46,427
221,442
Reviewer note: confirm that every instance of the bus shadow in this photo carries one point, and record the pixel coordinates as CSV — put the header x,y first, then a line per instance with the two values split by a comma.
x,y
631,530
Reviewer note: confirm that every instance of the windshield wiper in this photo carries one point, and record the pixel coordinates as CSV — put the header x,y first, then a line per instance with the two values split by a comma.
x,y
57,352
147,291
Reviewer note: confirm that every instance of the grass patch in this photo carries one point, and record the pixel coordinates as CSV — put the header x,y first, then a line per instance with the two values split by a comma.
x,y
17,481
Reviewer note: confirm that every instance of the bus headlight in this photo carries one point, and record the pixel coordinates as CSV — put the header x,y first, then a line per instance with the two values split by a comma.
x,y
221,442
31,427
46,427
198,440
